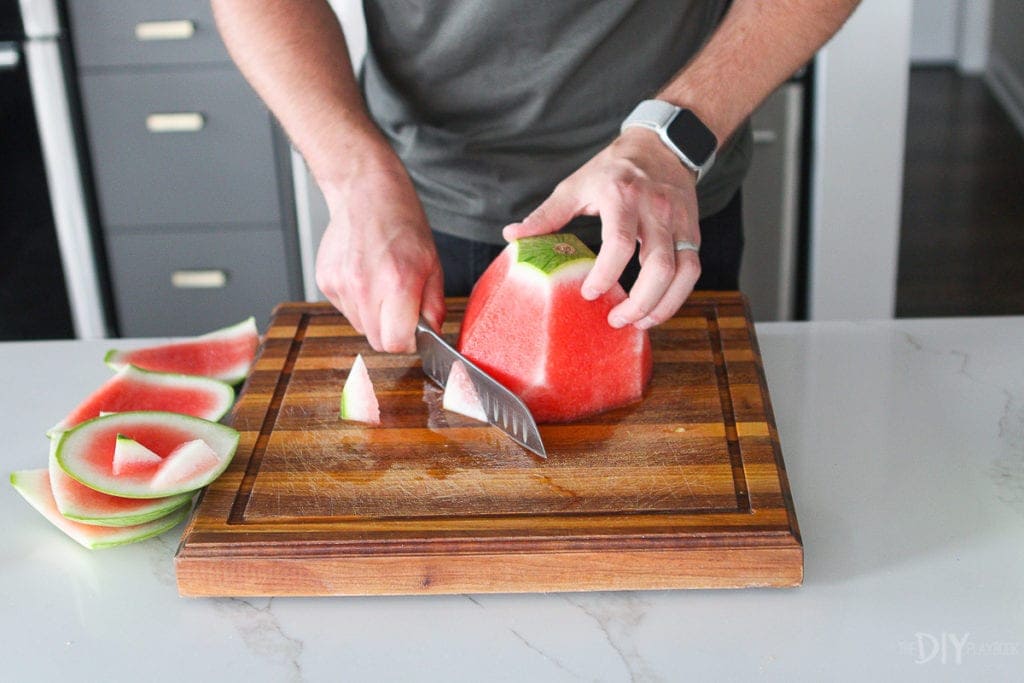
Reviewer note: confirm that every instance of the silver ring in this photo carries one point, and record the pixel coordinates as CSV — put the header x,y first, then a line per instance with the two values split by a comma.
x,y
686,245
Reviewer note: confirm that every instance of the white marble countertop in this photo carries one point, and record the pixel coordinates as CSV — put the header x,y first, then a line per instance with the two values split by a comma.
x,y
905,448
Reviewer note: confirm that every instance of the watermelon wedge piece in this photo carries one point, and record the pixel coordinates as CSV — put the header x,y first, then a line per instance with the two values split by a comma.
x,y
461,396
225,354
136,389
358,399
186,462
35,487
131,456
80,503
86,452
527,325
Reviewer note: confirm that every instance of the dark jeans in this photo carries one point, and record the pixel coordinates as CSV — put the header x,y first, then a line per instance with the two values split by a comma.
x,y
721,249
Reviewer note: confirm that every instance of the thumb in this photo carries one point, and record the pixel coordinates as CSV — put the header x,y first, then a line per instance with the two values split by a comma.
x,y
551,216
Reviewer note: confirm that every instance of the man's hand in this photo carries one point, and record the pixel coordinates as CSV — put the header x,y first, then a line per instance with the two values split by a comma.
x,y
377,262
642,192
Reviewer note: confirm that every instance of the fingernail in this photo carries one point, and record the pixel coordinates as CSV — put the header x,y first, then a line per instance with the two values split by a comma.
x,y
616,321
589,293
644,323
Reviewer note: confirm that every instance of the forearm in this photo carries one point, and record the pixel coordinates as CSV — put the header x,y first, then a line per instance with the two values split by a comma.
x,y
294,54
758,45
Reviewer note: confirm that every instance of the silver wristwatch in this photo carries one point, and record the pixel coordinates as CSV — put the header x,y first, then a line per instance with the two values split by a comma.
x,y
680,130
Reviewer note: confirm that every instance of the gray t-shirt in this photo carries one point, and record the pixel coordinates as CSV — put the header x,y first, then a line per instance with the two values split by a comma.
x,y
490,103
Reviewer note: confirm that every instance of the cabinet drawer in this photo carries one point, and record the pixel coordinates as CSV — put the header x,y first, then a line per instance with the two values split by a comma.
x,y
144,32
180,147
176,283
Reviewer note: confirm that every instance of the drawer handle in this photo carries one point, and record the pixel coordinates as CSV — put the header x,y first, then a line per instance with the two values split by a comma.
x,y
181,122
9,56
181,29
765,136
199,279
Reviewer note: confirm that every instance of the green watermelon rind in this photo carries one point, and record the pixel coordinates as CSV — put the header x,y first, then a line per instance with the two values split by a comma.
x,y
170,505
226,392
537,253
185,501
244,328
153,527
103,483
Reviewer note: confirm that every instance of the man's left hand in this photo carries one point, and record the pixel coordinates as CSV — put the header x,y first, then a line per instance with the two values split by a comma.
x,y
642,192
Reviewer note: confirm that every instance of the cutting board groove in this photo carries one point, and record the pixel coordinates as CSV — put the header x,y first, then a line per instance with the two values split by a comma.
x,y
686,488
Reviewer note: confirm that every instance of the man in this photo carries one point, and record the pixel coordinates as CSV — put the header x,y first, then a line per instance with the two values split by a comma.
x,y
484,113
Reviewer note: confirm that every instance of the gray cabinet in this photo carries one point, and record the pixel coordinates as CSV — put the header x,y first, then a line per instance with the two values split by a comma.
x,y
192,176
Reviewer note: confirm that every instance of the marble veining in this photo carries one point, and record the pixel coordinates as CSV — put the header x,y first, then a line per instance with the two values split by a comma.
x,y
618,616
1007,469
262,634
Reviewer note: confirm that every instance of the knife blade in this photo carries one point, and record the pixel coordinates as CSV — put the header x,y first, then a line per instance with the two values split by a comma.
x,y
505,410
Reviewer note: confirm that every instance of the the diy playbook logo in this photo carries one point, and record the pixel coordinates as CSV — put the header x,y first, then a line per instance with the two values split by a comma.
x,y
953,648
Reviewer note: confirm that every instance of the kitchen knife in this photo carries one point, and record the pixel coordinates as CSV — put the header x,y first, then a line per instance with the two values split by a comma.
x,y
505,410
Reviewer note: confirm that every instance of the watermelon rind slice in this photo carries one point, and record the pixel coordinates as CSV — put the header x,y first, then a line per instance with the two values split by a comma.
x,y
461,396
197,355
86,452
79,503
133,389
358,399
34,487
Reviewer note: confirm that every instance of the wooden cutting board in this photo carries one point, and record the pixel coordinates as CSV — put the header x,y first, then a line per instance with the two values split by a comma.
x,y
686,489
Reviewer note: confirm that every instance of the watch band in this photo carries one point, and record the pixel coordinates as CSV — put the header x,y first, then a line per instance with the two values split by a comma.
x,y
658,115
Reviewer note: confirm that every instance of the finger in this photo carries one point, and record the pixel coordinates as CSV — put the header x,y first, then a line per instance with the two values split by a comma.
x,y
657,273
351,314
687,273
399,312
433,307
619,229
551,216
369,317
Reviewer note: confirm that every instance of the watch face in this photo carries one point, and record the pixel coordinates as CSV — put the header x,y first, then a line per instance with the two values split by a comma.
x,y
692,137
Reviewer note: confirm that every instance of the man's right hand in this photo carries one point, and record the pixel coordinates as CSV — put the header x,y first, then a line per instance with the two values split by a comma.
x,y
377,262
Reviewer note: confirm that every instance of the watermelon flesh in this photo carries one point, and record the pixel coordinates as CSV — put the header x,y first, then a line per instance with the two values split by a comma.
x,y
225,354
35,487
80,503
135,389
86,452
527,325
461,396
358,399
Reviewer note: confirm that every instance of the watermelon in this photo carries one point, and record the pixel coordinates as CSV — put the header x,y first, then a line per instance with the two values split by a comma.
x,y
461,396
191,459
527,325
86,452
80,503
34,486
224,354
358,399
135,389
130,456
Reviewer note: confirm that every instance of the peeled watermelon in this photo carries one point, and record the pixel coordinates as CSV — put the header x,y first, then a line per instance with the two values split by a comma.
x,y
527,325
